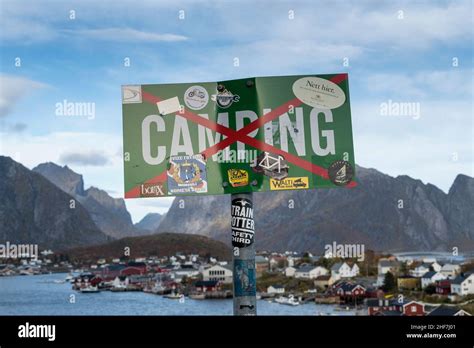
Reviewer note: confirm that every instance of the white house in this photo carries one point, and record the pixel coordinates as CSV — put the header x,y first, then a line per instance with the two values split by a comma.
x,y
217,272
450,270
310,272
290,271
343,270
420,270
275,289
431,278
463,284
385,266
436,266
120,282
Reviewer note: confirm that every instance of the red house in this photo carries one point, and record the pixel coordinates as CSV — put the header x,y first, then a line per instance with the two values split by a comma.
x,y
443,287
207,285
413,308
375,306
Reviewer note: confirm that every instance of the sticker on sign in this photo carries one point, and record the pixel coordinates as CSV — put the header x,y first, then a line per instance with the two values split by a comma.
x,y
234,136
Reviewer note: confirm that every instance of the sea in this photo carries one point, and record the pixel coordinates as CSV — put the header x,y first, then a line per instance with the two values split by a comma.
x,y
41,295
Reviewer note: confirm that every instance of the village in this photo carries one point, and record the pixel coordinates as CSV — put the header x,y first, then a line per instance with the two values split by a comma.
x,y
381,285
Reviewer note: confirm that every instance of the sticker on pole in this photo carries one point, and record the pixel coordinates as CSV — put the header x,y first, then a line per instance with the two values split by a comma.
x,y
242,224
319,93
244,278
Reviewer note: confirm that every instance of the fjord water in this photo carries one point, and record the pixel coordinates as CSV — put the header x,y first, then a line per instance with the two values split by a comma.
x,y
39,295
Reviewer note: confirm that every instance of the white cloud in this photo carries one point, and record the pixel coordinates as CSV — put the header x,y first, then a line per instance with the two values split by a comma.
x,y
455,83
12,89
124,35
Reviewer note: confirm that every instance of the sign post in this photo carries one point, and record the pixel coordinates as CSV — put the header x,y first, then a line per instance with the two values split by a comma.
x,y
237,137
243,247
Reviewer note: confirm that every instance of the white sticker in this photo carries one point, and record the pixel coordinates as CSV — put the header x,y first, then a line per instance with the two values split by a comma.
x,y
168,106
131,94
319,93
196,97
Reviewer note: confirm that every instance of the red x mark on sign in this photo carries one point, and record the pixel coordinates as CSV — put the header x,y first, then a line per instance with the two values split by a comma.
x,y
242,136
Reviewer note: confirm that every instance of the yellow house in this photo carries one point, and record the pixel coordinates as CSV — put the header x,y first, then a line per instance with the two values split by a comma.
x,y
408,283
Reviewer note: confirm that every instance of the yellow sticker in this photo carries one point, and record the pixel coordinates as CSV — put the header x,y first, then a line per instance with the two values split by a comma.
x,y
295,183
238,177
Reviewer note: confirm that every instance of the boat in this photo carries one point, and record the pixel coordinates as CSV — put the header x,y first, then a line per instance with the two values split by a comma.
x,y
173,296
200,296
290,301
69,278
59,281
89,290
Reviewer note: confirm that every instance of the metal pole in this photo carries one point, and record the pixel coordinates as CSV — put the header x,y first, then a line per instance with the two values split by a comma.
x,y
243,250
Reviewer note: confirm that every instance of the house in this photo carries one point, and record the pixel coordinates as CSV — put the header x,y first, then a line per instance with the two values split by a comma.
x,y
343,270
375,305
219,273
443,287
436,266
276,260
349,291
463,284
385,266
448,311
420,270
276,289
310,272
413,308
431,278
324,281
261,265
290,271
207,285
408,283
120,282
450,270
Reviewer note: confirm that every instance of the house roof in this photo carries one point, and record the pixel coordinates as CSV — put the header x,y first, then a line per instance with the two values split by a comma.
x,y
429,275
277,286
336,266
444,310
206,283
305,269
459,279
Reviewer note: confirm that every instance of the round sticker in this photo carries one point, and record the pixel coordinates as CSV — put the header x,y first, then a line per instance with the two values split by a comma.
x,y
196,97
340,172
319,93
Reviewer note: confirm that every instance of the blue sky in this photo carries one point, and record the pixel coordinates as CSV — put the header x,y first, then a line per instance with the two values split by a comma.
x,y
401,51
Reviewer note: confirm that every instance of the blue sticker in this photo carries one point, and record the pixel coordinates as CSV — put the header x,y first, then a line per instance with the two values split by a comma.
x,y
187,174
244,278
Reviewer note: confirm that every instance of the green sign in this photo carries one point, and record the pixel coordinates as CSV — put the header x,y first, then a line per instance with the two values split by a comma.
x,y
256,134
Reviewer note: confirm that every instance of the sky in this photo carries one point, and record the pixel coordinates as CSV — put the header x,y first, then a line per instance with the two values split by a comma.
x,y
417,52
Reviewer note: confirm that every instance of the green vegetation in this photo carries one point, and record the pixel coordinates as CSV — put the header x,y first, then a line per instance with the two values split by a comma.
x,y
389,283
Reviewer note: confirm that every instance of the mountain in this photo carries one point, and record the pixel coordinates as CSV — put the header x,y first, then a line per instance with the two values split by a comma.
x,y
34,211
164,244
150,222
110,214
382,212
